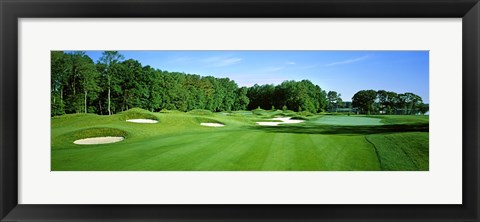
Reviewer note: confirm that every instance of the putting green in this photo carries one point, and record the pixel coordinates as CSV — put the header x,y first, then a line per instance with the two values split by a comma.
x,y
349,121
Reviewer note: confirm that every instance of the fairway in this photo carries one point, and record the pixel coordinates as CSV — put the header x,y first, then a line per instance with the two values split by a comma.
x,y
179,142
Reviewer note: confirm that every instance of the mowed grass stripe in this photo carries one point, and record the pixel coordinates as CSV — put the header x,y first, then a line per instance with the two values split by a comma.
x,y
231,153
277,158
346,153
190,154
110,157
173,149
253,158
305,156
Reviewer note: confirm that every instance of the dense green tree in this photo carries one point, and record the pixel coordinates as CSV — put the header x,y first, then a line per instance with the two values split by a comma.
x,y
334,100
299,96
364,100
242,100
59,76
88,77
152,78
387,101
109,59
77,66
423,108
409,102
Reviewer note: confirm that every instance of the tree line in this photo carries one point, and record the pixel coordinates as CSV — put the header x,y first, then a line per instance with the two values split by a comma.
x,y
386,102
289,95
113,84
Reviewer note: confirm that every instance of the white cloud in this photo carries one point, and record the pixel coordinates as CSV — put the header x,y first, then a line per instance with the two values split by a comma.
x,y
348,61
219,61
291,63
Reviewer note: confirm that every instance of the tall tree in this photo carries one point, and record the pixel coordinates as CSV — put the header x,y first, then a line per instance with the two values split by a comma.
x,y
88,76
423,108
74,96
334,100
109,58
59,76
410,102
387,101
364,100
242,100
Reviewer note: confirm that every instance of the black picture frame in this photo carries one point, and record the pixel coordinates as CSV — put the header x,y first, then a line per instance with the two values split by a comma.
x,y
11,11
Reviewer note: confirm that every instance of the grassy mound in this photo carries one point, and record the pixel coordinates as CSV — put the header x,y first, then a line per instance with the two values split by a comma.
x,y
299,118
137,113
169,111
259,112
97,132
207,120
202,112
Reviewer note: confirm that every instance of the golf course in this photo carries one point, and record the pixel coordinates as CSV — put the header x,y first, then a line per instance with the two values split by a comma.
x,y
239,110
257,140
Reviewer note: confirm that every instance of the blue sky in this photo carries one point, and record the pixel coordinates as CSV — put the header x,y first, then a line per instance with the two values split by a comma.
x,y
346,72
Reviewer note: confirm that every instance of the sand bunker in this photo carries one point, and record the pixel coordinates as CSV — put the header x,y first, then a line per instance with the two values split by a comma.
x,y
212,124
142,121
98,140
284,120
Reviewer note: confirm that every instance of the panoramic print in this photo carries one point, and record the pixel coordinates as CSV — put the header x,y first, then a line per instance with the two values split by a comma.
x,y
239,110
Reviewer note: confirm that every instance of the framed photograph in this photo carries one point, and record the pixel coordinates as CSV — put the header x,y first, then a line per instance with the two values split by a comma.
x,y
239,110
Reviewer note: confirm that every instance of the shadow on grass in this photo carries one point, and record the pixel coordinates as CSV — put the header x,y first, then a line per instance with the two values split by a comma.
x,y
344,130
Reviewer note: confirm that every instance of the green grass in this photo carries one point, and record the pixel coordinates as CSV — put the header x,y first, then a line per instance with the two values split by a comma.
x,y
349,121
401,151
179,143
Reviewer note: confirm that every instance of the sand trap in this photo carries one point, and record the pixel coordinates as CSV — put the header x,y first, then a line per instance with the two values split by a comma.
x,y
284,120
212,124
142,121
98,140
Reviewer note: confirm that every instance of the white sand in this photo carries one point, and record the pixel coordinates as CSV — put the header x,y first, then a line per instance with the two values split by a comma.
x,y
142,121
284,120
98,140
212,124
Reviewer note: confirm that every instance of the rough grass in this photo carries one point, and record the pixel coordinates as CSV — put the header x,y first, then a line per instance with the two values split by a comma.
x,y
403,119
179,143
402,151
